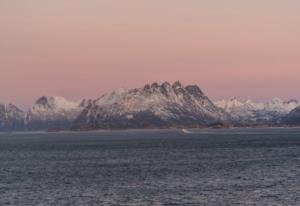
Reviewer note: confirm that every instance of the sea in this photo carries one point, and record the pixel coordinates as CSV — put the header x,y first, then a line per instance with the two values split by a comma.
x,y
237,166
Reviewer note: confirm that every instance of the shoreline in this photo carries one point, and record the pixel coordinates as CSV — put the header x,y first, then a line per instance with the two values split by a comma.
x,y
146,129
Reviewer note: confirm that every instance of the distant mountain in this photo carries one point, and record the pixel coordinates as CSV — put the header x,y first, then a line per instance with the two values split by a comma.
x,y
293,118
252,113
11,118
153,106
53,113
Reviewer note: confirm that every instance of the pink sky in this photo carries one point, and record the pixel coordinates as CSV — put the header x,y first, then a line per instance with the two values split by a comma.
x,y
83,48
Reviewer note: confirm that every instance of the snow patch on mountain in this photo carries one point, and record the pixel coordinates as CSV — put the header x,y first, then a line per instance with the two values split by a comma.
x,y
249,112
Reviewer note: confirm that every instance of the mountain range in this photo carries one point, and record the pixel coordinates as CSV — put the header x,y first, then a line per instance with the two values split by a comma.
x,y
249,113
152,106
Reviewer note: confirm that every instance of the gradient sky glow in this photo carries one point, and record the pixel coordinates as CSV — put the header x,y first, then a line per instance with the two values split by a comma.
x,y
82,48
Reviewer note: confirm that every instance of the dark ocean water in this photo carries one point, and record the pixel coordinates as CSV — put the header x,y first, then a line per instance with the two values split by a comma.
x,y
158,167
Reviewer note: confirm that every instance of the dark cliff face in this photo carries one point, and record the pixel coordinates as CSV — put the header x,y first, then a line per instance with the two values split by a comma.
x,y
293,118
42,101
153,106
194,90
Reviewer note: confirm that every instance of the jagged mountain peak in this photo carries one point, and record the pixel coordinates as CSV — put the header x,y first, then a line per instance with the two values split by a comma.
x,y
177,85
166,85
165,89
155,87
194,90
152,105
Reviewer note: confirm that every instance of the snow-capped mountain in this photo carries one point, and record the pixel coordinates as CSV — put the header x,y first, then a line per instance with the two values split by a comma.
x,y
284,107
11,118
252,113
153,105
53,112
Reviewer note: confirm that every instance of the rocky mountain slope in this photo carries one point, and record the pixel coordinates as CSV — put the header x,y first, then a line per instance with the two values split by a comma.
x,y
152,106
11,118
292,118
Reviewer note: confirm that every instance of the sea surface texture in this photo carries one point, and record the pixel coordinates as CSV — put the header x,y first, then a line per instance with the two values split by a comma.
x,y
151,167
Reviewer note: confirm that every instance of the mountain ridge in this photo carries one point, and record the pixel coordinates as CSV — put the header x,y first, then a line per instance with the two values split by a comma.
x,y
151,106
252,113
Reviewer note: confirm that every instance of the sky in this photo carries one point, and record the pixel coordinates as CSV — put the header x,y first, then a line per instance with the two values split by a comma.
x,y
83,48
